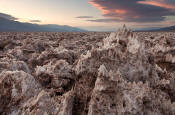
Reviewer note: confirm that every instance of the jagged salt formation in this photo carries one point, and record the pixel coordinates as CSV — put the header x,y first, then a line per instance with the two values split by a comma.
x,y
123,51
57,74
125,73
114,95
127,78
16,87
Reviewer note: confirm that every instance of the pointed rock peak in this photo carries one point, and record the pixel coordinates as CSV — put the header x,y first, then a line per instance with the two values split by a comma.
x,y
124,28
102,70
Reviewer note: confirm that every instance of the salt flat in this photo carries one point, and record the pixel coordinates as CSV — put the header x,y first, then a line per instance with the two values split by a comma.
x,y
94,73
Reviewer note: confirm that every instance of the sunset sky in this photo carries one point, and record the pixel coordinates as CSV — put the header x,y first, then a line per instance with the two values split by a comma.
x,y
102,15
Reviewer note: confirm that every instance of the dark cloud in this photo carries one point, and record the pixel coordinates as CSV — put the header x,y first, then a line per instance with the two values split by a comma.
x,y
134,10
84,17
7,16
35,20
143,19
104,20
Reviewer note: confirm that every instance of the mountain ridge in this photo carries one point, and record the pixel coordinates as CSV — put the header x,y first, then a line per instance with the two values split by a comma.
x,y
170,28
16,26
156,29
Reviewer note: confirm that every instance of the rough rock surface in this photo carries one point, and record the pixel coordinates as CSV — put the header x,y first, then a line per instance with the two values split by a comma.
x,y
122,73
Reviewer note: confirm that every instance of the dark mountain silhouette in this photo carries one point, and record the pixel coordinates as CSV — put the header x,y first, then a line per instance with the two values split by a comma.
x,y
156,29
171,28
7,25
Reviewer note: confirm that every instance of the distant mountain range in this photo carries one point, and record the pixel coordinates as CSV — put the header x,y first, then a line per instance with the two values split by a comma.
x,y
170,28
7,25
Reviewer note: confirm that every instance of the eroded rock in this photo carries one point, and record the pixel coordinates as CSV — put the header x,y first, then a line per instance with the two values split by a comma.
x,y
16,87
56,74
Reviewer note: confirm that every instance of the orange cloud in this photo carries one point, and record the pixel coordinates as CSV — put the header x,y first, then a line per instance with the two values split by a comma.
x,y
120,11
157,3
107,11
101,8
134,10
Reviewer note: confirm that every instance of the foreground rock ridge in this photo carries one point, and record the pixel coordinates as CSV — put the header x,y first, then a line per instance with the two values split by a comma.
x,y
92,73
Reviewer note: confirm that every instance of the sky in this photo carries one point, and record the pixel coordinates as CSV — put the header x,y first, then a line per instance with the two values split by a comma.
x,y
94,15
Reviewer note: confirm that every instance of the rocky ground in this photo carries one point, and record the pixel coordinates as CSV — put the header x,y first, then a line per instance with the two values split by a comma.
x,y
93,73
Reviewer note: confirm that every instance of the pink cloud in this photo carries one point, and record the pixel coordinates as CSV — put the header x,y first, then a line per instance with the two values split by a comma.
x,y
158,3
134,10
